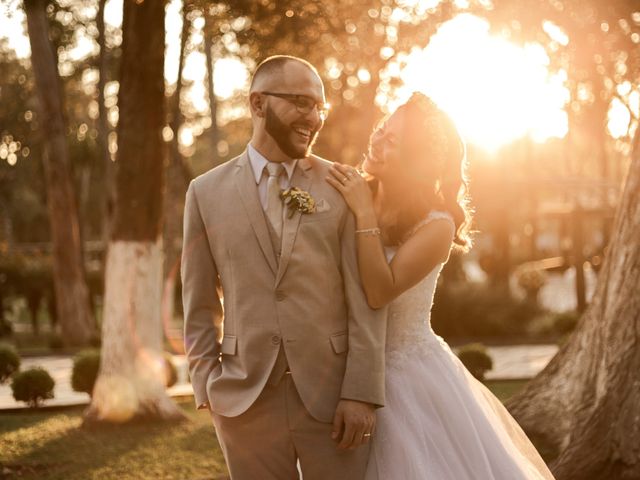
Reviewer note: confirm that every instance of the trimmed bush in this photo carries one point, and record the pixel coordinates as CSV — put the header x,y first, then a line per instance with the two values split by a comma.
x,y
531,280
170,370
9,361
86,364
565,322
475,357
32,386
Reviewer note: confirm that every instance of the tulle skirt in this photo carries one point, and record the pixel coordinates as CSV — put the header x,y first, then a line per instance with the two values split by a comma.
x,y
440,423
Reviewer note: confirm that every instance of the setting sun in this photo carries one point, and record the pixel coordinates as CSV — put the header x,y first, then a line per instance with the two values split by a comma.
x,y
494,90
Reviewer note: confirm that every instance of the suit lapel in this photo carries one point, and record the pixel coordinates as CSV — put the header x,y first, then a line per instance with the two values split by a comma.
x,y
248,192
302,180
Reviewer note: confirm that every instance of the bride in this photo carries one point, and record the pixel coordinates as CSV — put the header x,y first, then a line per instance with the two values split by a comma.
x,y
439,422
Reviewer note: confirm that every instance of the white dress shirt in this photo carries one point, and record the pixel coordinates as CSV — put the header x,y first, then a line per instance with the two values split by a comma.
x,y
258,164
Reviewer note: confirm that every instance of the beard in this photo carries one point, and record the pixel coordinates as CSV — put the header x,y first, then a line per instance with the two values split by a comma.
x,y
282,134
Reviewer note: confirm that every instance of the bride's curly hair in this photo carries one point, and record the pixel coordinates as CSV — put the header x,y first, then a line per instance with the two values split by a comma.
x,y
436,179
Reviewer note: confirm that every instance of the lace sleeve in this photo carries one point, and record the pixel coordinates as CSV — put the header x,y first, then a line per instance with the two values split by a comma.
x,y
432,215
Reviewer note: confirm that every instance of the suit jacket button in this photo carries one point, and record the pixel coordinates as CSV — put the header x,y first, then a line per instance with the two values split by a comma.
x,y
275,339
280,295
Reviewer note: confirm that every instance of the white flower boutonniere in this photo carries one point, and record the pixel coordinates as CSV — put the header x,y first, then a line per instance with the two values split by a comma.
x,y
296,199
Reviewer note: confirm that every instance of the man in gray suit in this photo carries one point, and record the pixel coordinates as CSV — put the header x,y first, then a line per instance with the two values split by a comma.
x,y
292,367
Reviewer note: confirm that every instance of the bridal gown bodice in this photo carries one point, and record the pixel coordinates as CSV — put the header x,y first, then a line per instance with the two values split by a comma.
x,y
409,317
409,320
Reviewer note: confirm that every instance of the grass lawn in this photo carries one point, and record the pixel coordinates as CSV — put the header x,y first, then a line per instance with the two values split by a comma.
x,y
50,444
503,389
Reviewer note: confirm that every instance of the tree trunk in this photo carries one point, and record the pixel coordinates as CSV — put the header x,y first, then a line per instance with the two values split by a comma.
x,y
178,177
72,293
214,131
108,199
131,380
585,401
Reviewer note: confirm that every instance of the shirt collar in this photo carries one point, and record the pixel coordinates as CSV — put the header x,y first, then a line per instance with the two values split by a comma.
x,y
258,162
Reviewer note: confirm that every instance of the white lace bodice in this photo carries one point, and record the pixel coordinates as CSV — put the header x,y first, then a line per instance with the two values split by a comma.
x,y
409,322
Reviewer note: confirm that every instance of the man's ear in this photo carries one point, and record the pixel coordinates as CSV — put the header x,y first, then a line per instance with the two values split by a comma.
x,y
256,102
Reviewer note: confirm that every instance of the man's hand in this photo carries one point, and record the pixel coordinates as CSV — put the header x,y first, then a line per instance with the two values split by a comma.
x,y
353,419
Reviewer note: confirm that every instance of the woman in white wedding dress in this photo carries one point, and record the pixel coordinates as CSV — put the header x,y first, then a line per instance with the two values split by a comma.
x,y
439,422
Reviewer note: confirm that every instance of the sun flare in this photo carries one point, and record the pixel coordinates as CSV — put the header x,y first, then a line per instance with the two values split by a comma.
x,y
494,90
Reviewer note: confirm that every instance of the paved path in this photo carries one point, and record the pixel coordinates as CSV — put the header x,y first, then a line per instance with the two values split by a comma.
x,y
517,361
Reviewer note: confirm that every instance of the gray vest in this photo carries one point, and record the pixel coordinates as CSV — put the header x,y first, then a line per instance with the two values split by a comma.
x,y
281,365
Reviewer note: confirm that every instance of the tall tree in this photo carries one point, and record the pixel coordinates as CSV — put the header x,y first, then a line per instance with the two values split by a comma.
x,y
72,294
350,42
211,39
131,380
108,200
178,177
585,402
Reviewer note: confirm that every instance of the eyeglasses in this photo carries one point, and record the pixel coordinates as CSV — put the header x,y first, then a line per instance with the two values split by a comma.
x,y
303,103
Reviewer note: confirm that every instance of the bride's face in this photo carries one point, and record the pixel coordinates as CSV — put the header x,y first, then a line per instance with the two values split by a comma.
x,y
389,146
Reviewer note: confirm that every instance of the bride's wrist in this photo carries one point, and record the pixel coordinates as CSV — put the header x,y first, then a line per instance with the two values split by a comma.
x,y
365,220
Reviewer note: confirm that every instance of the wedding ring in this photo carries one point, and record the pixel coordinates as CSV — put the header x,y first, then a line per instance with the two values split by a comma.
x,y
343,179
366,435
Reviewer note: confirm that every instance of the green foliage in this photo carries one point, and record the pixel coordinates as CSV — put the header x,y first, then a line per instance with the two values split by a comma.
x,y
86,365
9,361
475,357
555,325
32,386
480,311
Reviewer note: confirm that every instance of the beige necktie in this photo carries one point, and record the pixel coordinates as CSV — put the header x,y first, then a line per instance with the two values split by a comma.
x,y
274,202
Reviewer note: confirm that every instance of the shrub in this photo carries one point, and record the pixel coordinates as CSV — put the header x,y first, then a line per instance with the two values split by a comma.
x,y
475,357
170,370
5,327
55,341
531,279
565,322
32,386
86,364
480,311
9,361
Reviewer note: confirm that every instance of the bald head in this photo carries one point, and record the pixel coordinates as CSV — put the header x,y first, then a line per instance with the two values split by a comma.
x,y
271,71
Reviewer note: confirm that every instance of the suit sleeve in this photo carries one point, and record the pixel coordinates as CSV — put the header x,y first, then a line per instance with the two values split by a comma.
x,y
364,375
203,313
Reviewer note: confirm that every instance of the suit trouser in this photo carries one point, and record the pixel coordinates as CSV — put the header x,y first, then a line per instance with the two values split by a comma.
x,y
266,441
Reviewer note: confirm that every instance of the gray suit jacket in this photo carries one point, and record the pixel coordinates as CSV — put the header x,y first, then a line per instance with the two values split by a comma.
x,y
311,301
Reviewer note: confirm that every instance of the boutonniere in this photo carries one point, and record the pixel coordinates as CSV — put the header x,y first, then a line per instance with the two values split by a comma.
x,y
296,199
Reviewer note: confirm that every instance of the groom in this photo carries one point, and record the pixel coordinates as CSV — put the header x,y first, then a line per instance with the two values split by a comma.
x,y
292,368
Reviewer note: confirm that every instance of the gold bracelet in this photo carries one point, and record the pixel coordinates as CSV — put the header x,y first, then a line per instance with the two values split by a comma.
x,y
369,231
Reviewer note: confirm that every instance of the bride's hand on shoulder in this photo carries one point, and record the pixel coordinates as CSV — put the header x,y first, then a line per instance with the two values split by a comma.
x,y
353,187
